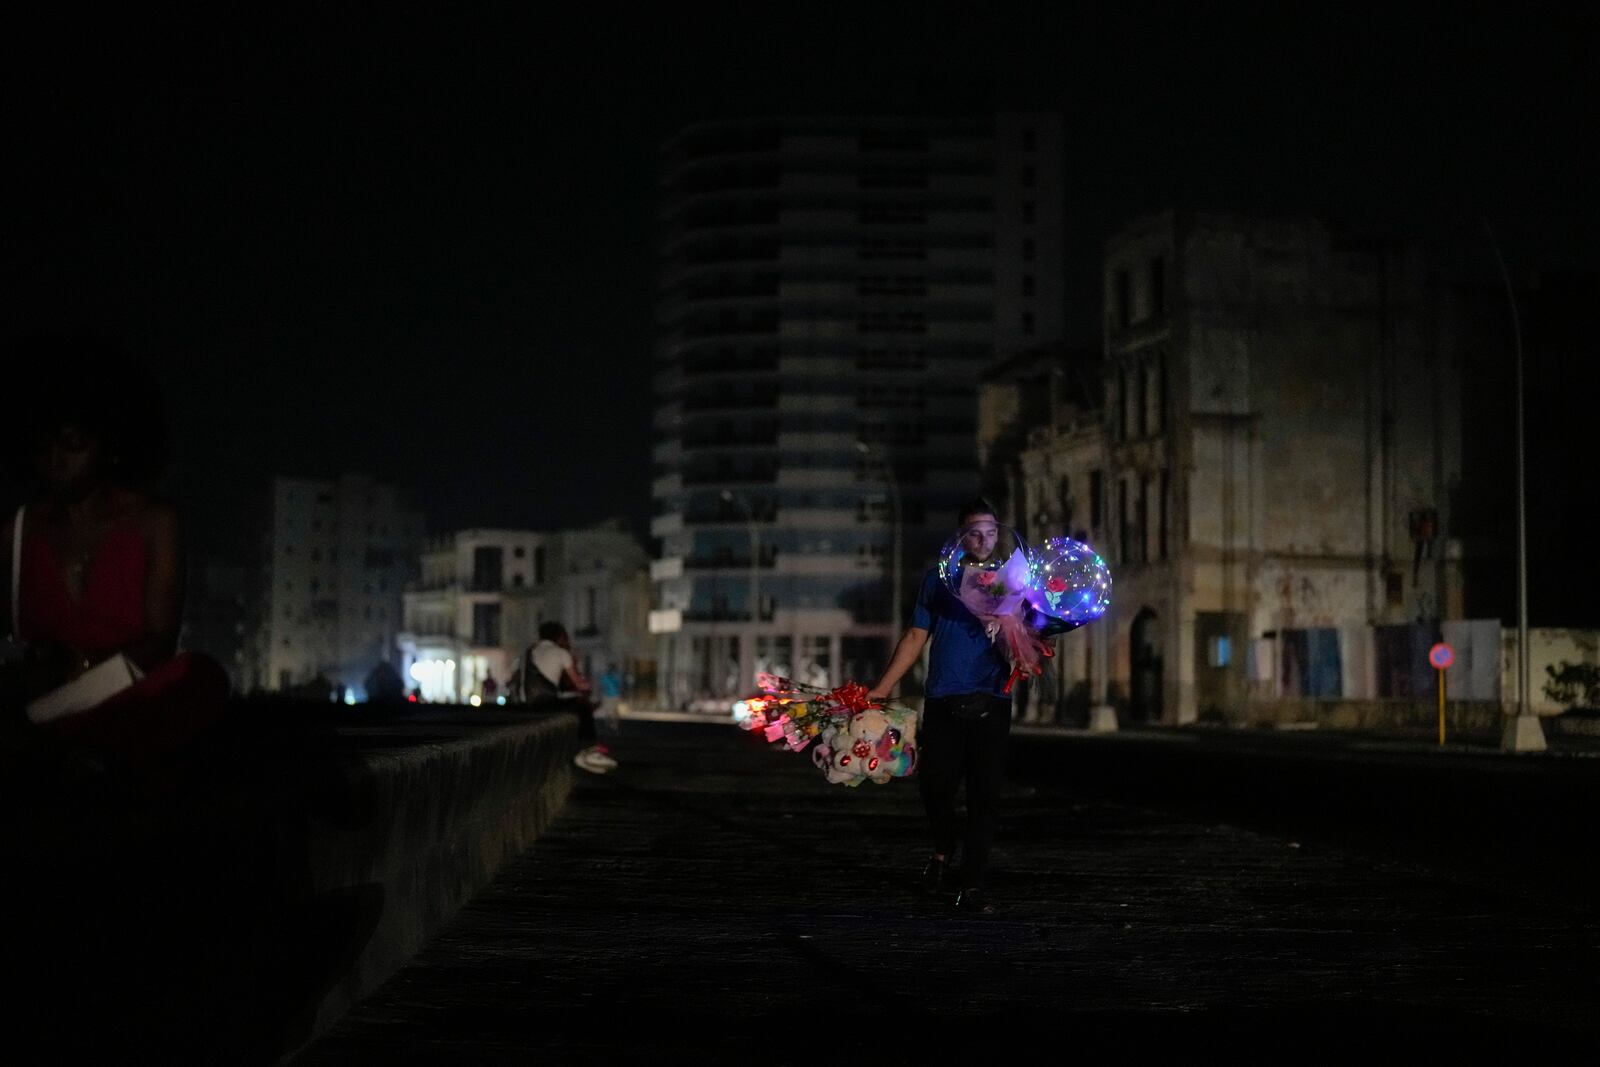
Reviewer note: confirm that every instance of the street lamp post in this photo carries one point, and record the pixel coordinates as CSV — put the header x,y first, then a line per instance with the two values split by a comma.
x,y
1523,732
755,563
895,582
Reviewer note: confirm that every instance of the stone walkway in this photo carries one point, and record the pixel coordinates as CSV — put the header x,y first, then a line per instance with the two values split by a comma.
x,y
715,901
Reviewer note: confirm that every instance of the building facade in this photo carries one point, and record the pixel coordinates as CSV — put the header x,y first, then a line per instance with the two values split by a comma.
x,y
332,559
1279,443
831,293
482,595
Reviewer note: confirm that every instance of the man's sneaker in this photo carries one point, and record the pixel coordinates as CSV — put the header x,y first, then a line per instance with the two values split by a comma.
x,y
974,902
935,875
594,761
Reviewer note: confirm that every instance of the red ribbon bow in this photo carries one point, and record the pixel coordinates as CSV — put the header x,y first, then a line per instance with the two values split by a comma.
x,y
852,696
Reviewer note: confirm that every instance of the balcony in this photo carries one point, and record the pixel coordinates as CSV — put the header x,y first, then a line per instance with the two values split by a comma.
x,y
728,561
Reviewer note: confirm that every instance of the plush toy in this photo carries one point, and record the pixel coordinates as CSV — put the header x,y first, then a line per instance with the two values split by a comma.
x,y
852,738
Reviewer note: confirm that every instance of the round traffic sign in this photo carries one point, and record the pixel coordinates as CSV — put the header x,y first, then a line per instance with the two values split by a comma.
x,y
1441,655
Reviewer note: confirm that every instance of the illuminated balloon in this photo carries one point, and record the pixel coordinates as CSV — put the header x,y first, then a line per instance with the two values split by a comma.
x,y
986,554
1069,581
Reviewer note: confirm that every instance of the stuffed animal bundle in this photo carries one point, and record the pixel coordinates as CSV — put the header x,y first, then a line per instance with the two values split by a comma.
x,y
856,739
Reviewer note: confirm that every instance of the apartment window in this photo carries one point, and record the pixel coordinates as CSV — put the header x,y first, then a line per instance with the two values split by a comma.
x,y
1124,541
1027,174
487,568
485,625
1028,139
1158,286
1028,249
1027,285
1097,505
519,552
538,565
1142,518
1143,376
1163,506
1130,401
1027,211
1027,322
1124,299
1158,414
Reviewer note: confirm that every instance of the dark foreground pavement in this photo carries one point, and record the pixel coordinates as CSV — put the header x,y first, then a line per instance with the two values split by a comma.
x,y
716,901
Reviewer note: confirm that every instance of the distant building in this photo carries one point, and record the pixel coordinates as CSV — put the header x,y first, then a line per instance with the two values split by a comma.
x,y
482,595
216,613
333,557
1276,454
832,291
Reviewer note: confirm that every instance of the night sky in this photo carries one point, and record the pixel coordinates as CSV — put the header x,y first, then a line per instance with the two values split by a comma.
x,y
423,246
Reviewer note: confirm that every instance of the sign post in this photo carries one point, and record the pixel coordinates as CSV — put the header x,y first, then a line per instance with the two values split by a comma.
x,y
1441,656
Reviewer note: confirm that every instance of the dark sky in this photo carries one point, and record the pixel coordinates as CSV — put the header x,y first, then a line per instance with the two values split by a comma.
x,y
422,245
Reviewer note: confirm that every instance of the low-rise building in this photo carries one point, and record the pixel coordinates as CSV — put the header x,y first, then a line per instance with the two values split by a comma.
x,y
482,595
1278,444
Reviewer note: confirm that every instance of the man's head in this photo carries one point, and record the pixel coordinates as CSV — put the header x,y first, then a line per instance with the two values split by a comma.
x,y
979,528
555,632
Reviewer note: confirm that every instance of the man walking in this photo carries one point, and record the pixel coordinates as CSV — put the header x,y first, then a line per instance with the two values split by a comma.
x,y
966,719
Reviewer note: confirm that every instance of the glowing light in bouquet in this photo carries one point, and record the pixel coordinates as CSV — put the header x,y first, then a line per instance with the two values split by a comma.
x,y
855,739
1069,581
1024,596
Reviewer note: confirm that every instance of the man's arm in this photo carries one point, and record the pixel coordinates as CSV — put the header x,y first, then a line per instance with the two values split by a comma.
x,y
905,654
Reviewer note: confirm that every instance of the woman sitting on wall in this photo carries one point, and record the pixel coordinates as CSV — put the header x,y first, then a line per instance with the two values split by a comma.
x,y
101,569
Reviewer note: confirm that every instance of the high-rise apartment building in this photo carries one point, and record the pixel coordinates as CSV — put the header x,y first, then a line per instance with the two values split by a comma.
x,y
334,557
831,294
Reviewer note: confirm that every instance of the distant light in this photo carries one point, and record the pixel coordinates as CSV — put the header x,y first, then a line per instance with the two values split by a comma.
x,y
411,697
449,664
741,711
475,700
500,700
349,697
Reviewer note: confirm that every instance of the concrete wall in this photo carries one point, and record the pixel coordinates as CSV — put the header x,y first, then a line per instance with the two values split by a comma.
x,y
231,909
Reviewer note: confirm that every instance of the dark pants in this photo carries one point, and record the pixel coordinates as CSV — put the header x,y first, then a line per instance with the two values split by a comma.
x,y
582,707
964,738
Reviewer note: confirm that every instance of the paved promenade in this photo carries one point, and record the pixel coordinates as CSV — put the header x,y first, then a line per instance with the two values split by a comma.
x,y
715,901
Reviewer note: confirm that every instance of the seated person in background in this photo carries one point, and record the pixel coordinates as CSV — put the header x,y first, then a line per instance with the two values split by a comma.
x,y
102,558
550,681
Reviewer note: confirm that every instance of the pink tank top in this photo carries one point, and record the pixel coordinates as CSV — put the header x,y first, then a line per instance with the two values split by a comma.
x,y
111,613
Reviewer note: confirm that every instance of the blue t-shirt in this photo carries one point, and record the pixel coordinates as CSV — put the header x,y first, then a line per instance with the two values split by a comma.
x,y
961,658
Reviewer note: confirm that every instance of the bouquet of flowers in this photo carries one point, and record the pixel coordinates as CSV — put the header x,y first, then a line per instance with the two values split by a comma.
x,y
855,738
1025,596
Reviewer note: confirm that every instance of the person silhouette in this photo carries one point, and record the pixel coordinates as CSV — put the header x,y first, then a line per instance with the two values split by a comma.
x,y
98,557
